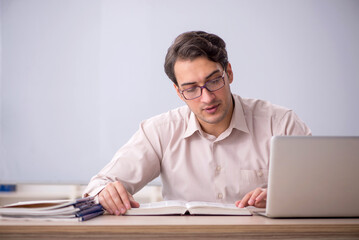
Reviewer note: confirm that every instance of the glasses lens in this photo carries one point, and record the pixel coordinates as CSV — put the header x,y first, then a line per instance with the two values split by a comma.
x,y
215,84
191,93
212,85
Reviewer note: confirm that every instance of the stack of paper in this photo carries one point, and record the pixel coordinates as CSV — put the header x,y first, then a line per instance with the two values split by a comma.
x,y
53,210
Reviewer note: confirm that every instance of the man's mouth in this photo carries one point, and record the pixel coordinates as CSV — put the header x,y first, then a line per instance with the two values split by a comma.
x,y
211,109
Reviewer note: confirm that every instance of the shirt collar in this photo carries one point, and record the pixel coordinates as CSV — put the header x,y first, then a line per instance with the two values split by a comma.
x,y
192,127
238,120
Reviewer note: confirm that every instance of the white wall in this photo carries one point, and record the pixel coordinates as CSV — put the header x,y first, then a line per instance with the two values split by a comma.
x,y
78,76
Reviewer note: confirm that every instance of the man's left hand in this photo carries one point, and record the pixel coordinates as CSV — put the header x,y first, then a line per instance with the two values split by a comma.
x,y
256,198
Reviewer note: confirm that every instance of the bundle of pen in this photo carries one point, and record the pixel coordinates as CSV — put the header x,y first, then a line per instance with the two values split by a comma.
x,y
88,208
53,210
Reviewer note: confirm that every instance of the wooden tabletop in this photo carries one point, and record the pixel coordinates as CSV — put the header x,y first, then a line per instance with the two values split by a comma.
x,y
184,227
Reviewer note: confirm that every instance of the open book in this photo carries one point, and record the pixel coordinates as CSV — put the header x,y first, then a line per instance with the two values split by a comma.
x,y
192,208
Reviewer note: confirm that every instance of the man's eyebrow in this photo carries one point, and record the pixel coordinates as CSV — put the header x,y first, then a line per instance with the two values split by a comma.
x,y
214,72
210,75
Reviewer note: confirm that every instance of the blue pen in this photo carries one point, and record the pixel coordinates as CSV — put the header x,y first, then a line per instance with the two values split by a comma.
x,y
79,200
93,209
90,216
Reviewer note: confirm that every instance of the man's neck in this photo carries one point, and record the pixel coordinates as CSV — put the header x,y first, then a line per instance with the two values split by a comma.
x,y
214,130
218,128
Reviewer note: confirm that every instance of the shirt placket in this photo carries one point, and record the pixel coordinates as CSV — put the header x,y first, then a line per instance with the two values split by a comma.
x,y
218,173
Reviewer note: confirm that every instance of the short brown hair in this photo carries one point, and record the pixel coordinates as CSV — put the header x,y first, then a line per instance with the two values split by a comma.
x,y
190,45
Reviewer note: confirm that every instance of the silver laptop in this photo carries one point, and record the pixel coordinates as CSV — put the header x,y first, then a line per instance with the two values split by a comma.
x,y
313,177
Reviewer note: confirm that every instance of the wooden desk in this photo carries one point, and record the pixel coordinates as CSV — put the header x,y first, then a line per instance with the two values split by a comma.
x,y
183,227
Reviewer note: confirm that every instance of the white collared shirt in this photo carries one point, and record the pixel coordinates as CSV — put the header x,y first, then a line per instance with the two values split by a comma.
x,y
196,166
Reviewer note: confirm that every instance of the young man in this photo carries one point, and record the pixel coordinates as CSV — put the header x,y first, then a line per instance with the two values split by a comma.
x,y
216,148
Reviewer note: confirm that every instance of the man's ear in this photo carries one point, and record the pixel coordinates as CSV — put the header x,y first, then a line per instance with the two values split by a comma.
x,y
178,92
229,73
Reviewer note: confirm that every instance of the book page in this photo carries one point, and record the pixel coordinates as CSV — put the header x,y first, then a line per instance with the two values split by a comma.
x,y
39,204
159,208
33,218
210,205
212,208
163,204
35,211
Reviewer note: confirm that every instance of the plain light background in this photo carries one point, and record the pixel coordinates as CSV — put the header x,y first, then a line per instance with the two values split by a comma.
x,y
78,76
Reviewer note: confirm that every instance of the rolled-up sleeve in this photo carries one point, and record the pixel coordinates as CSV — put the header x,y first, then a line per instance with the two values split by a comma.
x,y
134,165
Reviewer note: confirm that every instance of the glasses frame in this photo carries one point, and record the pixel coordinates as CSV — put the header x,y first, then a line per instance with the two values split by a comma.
x,y
204,86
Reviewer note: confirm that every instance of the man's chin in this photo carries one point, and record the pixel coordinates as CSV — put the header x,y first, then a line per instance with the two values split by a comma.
x,y
212,119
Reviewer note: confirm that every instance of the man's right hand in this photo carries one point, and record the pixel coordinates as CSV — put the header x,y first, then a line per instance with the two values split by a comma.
x,y
115,199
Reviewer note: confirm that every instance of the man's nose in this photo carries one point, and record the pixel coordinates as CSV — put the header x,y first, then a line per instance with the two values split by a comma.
x,y
207,96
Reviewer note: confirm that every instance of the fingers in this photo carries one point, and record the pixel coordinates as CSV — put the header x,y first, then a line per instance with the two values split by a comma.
x,y
262,196
115,198
133,202
110,200
121,198
261,200
255,198
244,202
106,201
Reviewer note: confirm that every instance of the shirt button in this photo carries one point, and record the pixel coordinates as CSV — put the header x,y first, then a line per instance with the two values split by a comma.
x,y
218,168
220,195
260,173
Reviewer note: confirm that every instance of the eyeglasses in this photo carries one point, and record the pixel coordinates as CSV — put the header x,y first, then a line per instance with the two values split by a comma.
x,y
211,86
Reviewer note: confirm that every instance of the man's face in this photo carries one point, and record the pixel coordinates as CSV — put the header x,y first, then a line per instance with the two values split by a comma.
x,y
212,109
